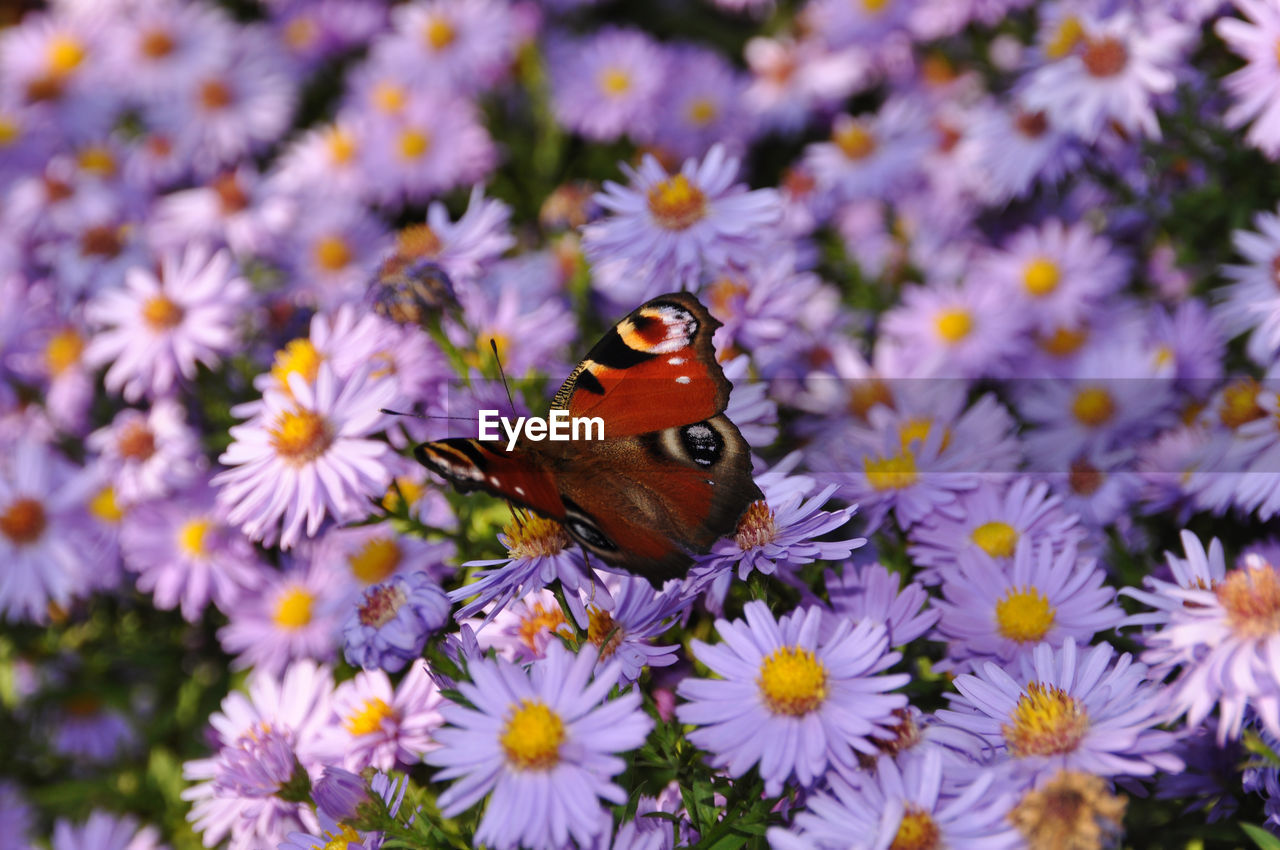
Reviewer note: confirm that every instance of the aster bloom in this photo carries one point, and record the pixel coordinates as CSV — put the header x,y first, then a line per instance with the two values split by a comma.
x,y
1002,612
1072,806
905,804
148,455
1251,302
1111,70
703,97
638,615
305,456
788,700
468,43
872,156
157,328
104,831
1015,150
671,229
389,794
156,48
332,253
372,554
463,249
871,592
392,621
186,555
1068,709
236,208
382,725
294,614
87,729
543,743
289,717
1255,88
607,85
46,541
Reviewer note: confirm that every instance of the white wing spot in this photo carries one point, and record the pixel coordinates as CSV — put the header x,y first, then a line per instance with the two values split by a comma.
x,y
520,490
676,361
493,479
683,379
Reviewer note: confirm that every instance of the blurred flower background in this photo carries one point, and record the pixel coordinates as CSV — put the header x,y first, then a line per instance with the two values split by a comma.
x,y
1000,291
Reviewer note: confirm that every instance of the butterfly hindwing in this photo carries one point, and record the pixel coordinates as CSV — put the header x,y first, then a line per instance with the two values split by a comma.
x,y
653,370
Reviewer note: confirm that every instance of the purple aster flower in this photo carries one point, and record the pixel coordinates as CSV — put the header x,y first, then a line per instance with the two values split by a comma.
x,y
794,80
668,230
993,518
703,104
372,554
856,24
1251,302
468,45
1164,466
57,60
1056,273
1014,150
543,742
529,338
305,456
295,710
236,208
1255,88
158,327
295,614
315,30
155,49
382,726
607,85
639,614
323,162
871,592
338,793
1002,611
907,804
873,156
389,793
1192,340
1068,709
332,253
392,621
87,729
465,248
17,816
789,701
778,534
1110,71
46,541
148,455
104,831
521,630
186,555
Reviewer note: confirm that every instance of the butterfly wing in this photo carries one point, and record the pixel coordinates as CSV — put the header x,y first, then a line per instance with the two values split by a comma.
x,y
518,476
655,369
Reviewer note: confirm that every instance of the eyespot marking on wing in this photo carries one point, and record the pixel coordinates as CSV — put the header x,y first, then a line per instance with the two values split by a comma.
x,y
702,443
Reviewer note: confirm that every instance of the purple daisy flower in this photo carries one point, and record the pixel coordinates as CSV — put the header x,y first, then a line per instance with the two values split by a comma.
x,y
1014,150
794,80
1251,302
158,327
703,104
1255,88
186,555
1001,612
872,156
639,614
670,230
305,456
147,455
1068,709
104,831
465,248
372,554
608,84
382,726
392,621
468,45
871,592
905,804
290,713
332,254
543,742
84,728
789,701
332,832
237,208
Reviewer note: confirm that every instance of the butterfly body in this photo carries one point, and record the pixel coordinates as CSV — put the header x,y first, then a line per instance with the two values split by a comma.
x,y
672,473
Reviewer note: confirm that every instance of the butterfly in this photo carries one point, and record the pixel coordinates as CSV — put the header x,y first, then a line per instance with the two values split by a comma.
x,y
671,475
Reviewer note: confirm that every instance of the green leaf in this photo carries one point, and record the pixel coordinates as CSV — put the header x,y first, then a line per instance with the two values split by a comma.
x,y
1265,840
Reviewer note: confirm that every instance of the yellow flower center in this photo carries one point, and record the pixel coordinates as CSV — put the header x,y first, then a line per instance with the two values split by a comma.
x,y
614,82
369,718
404,488
301,33
535,536
891,473
854,139
193,537
10,130
604,631
97,160
389,97
1093,406
438,33
104,507
342,839
161,313
332,253
917,831
874,7
1069,33
1041,277
913,433
676,203
376,560
63,351
954,325
418,240
1047,721
1240,403
1072,811
541,619
64,54
293,611
23,521
156,44
1063,342
757,527
341,144
1024,615
1104,57
792,681
300,436
300,357
136,442
532,735
702,111
414,143
998,539
1251,598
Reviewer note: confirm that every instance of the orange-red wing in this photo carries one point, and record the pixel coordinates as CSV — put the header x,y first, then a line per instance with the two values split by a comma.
x,y
516,476
655,369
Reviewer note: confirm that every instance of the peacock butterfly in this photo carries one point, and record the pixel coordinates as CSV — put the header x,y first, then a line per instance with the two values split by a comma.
x,y
671,475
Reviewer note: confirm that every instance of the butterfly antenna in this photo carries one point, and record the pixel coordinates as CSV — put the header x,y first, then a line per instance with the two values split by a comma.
x,y
493,344
417,415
